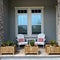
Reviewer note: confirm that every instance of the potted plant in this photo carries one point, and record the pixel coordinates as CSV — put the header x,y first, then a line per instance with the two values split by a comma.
x,y
53,47
32,42
53,43
8,47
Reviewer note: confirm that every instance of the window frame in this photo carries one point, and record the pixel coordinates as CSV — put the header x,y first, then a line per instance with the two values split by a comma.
x,y
37,24
29,30
17,20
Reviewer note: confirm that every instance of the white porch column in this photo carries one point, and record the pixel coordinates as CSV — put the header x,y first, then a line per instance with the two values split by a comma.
x,y
58,23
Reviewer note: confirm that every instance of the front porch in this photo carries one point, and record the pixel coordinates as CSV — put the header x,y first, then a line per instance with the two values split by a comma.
x,y
51,24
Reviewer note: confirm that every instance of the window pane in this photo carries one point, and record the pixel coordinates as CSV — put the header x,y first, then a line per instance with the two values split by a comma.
x,y
36,11
36,19
22,19
36,23
22,11
36,29
22,23
22,29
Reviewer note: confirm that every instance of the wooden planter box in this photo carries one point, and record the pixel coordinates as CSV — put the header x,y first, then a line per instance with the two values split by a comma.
x,y
31,49
52,49
7,49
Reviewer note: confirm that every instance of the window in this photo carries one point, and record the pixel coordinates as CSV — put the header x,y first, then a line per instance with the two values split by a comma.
x,y
29,20
36,21
22,21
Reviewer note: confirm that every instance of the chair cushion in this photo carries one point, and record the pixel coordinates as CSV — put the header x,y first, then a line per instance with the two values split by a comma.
x,y
40,39
21,40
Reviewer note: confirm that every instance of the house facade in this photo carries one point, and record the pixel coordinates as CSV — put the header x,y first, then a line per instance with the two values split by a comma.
x,y
50,18
51,22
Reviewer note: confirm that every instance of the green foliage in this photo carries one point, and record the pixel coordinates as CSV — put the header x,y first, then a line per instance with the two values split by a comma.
x,y
32,42
3,43
53,42
7,43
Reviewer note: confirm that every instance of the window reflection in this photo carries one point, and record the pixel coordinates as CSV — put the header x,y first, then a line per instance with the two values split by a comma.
x,y
36,19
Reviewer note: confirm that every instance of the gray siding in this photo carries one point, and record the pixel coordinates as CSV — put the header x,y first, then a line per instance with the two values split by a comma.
x,y
50,23
3,19
49,15
6,20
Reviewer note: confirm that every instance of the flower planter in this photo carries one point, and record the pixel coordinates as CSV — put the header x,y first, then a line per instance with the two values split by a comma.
x,y
7,49
52,49
31,49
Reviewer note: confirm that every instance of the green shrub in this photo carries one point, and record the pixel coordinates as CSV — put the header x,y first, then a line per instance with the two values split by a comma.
x,y
53,42
7,43
3,43
32,42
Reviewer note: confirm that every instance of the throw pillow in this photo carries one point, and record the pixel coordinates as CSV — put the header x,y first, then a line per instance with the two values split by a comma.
x,y
40,40
21,40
